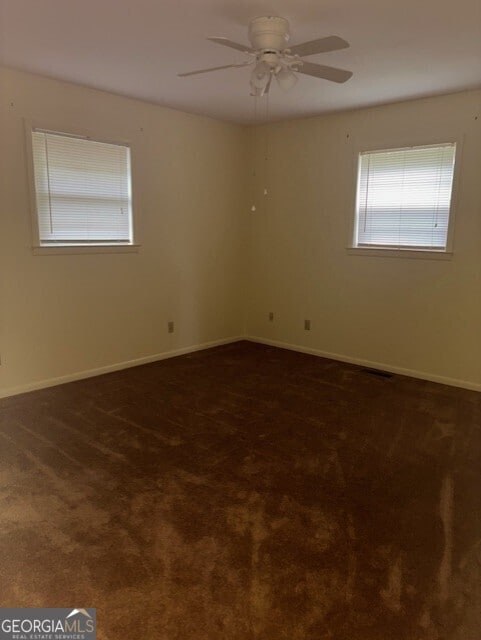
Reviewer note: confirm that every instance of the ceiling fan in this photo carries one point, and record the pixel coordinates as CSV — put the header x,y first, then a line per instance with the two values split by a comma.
x,y
271,56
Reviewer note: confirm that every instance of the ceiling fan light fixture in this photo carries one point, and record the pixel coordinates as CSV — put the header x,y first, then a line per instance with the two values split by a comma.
x,y
286,79
260,75
270,56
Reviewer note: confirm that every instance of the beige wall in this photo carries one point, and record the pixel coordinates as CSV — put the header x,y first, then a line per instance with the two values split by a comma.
x,y
423,316
64,314
67,314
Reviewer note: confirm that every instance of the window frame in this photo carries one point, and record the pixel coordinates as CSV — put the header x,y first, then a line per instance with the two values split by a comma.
x,y
396,251
75,132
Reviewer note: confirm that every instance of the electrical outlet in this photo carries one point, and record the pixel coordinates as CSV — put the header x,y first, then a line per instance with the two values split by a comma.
x,y
170,326
307,325
271,316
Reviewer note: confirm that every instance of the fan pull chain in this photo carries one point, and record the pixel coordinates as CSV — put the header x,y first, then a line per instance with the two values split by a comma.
x,y
266,157
253,207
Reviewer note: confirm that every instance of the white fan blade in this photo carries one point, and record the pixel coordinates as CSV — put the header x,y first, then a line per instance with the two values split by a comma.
x,y
322,45
326,73
233,45
225,66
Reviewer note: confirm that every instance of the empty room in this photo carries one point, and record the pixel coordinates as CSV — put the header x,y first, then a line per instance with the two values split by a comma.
x,y
240,320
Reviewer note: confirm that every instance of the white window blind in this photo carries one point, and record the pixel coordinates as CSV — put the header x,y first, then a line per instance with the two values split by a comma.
x,y
404,197
83,193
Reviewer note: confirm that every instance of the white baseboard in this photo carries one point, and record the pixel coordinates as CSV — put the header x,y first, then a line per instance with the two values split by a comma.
x,y
411,373
90,373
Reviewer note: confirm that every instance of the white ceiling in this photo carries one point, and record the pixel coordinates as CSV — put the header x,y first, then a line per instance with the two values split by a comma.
x,y
399,50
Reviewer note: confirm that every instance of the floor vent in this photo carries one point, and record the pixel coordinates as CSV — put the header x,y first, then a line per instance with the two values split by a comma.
x,y
377,372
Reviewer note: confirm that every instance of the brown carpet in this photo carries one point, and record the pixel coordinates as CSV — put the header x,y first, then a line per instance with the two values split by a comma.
x,y
246,493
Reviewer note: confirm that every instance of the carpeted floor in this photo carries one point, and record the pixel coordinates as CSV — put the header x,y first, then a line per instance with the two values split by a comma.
x,y
246,493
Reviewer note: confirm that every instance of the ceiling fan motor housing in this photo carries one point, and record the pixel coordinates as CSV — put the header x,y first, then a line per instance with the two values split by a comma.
x,y
270,33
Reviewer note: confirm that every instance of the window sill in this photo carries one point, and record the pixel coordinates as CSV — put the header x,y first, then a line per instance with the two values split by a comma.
x,y
79,249
420,254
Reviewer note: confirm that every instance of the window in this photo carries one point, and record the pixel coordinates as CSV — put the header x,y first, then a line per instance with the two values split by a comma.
x,y
404,198
82,191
